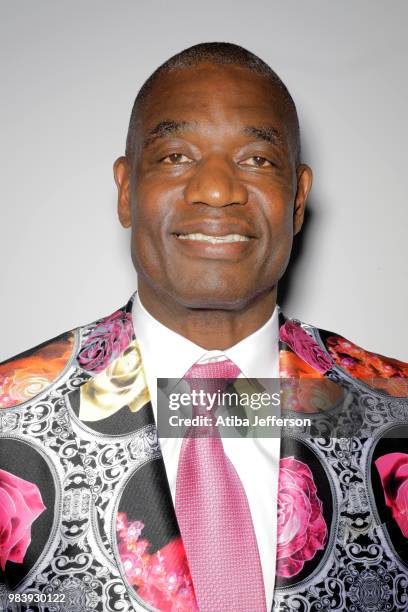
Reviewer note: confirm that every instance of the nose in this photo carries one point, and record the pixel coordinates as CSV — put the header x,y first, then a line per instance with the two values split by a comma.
x,y
215,183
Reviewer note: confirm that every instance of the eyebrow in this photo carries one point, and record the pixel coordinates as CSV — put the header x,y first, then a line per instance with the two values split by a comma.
x,y
167,128
265,133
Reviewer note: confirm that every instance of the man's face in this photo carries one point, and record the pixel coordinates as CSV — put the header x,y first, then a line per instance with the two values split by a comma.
x,y
215,196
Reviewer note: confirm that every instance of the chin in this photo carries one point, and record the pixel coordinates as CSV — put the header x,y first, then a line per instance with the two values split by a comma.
x,y
220,297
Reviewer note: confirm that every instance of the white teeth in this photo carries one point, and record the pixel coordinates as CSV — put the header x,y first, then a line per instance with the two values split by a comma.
x,y
214,239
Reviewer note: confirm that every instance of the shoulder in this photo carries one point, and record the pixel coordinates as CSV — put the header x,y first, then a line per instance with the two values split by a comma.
x,y
322,351
359,361
373,368
89,348
28,374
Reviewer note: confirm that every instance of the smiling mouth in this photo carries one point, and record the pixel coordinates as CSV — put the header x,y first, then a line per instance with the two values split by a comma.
x,y
228,238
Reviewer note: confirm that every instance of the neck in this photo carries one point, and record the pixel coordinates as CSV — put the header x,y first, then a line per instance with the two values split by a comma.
x,y
210,328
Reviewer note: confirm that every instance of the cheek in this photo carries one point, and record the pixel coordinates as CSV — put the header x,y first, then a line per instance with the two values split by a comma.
x,y
152,209
146,206
278,226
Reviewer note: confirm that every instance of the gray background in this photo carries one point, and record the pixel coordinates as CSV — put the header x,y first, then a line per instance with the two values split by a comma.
x,y
70,72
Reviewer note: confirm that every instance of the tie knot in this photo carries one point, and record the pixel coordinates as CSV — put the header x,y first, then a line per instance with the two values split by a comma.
x,y
211,377
214,369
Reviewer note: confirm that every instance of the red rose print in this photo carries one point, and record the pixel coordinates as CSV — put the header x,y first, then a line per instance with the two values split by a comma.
x,y
20,505
375,370
24,377
106,342
302,530
393,471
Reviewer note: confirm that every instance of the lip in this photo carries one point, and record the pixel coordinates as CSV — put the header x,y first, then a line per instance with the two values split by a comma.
x,y
215,228
224,251
232,251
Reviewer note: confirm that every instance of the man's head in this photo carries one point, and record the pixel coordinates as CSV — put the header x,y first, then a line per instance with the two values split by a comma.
x,y
212,184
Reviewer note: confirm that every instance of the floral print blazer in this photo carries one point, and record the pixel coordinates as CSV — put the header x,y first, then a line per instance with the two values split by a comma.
x,y
86,517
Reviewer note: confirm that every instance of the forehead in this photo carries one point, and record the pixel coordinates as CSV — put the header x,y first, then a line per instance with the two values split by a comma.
x,y
215,96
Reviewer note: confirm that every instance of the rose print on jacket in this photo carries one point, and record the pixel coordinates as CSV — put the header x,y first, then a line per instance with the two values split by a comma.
x,y
375,370
106,342
393,471
161,579
20,505
25,376
302,530
122,383
303,389
305,347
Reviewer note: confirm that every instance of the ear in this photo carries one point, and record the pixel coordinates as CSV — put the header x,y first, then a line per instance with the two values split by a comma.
x,y
304,184
121,172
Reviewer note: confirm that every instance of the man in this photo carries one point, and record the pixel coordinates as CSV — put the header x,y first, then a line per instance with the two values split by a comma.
x,y
96,513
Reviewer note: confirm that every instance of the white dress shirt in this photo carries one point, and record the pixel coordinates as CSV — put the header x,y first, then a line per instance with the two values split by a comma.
x,y
166,354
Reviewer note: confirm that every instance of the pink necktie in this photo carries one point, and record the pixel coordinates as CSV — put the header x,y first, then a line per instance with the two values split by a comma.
x,y
214,516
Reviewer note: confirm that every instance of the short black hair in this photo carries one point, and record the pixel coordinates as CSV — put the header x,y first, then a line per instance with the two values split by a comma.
x,y
215,53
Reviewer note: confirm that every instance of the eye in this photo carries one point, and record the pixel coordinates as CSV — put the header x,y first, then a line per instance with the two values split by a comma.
x,y
257,161
176,158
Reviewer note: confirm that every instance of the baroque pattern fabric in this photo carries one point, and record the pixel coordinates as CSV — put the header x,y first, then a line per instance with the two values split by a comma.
x,y
86,515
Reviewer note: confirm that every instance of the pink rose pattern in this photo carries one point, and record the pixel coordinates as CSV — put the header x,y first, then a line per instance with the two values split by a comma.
x,y
20,505
393,471
302,530
106,342
305,347
161,579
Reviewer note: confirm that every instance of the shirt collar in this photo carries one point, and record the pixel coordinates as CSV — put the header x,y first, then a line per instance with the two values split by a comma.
x,y
167,354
